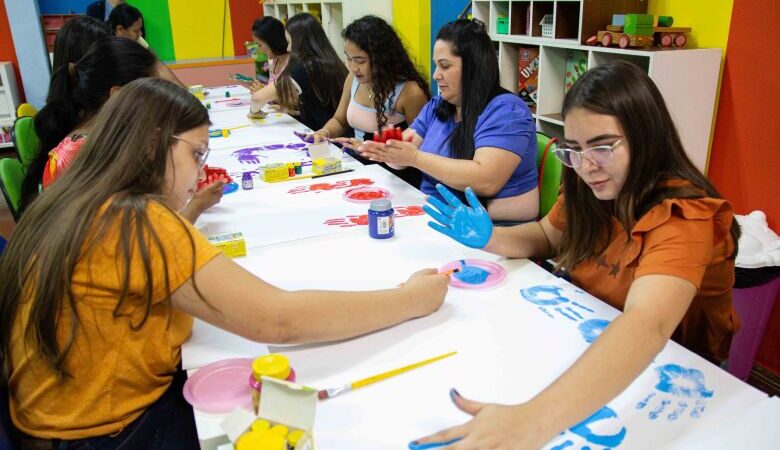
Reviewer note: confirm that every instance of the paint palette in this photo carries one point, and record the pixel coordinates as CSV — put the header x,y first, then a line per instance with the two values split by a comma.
x,y
474,273
220,387
366,194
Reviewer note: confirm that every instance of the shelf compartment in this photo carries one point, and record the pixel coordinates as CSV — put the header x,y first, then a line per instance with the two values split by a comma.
x,y
567,20
520,18
540,9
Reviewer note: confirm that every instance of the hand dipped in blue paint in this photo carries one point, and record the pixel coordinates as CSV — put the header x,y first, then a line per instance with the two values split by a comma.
x,y
469,225
678,389
601,430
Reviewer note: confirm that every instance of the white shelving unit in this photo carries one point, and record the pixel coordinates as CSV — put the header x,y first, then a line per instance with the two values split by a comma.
x,y
9,98
335,14
687,78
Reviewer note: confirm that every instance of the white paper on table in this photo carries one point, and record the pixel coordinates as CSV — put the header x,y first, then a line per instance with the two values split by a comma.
x,y
209,344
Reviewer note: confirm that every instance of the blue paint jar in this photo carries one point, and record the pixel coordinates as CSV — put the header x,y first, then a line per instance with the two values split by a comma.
x,y
380,219
246,181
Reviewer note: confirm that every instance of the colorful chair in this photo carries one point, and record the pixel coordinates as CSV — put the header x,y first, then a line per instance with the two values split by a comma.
x,y
549,173
26,110
25,140
11,177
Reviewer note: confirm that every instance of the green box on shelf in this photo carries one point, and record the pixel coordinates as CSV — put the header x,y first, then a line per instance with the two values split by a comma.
x,y
639,19
502,25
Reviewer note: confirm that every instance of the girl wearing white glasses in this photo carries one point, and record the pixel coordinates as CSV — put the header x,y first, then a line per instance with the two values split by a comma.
x,y
637,226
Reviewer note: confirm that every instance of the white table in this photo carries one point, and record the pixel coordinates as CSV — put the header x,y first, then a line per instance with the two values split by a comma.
x,y
509,349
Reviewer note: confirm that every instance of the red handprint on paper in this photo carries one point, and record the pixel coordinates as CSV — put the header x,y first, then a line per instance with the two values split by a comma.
x,y
353,221
319,187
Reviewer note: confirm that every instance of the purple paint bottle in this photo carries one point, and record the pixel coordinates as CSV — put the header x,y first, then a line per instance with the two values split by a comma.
x,y
380,219
246,181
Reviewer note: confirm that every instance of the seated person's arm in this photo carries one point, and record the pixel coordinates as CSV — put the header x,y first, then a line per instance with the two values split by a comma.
x,y
239,302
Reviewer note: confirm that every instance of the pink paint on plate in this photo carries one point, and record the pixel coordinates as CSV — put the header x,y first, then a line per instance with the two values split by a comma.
x,y
220,387
366,194
474,273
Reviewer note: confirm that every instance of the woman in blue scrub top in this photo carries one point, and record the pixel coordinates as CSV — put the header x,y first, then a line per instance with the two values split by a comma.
x,y
475,133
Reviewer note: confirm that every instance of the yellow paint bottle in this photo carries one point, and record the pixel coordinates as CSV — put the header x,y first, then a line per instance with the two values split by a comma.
x,y
271,365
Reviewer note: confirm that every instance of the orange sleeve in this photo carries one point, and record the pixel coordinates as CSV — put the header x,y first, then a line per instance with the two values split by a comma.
x,y
556,216
678,247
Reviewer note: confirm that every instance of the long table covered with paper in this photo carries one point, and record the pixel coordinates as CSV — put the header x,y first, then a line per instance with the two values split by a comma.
x,y
512,339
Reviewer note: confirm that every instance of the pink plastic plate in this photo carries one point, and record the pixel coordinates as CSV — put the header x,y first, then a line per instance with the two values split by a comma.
x,y
474,273
220,387
237,103
366,194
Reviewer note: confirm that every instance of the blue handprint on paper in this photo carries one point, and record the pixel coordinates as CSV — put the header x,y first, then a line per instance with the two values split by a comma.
x,y
550,296
584,436
681,385
471,274
591,329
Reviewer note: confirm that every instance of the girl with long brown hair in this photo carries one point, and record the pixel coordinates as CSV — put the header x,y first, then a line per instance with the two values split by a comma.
x,y
102,279
637,226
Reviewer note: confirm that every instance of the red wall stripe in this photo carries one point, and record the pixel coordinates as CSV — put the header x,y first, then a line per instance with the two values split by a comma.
x,y
745,158
242,14
7,51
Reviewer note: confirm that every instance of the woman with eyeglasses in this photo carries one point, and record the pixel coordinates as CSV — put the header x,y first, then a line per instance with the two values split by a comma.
x,y
637,226
475,133
102,279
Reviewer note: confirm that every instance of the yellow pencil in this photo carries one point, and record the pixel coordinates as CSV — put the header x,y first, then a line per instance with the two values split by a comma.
x,y
330,393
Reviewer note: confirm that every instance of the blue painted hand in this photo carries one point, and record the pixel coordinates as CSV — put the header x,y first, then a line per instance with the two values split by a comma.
x,y
591,432
680,385
469,225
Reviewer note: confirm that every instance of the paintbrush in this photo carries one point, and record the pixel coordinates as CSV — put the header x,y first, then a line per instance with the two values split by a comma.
x,y
332,392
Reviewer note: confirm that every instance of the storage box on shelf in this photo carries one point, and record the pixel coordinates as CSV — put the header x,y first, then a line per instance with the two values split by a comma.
x,y
687,79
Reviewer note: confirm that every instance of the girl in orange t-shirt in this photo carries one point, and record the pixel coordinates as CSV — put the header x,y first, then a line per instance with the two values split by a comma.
x,y
102,279
637,226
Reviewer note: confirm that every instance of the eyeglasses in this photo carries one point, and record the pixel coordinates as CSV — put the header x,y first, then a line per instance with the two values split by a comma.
x,y
600,155
201,151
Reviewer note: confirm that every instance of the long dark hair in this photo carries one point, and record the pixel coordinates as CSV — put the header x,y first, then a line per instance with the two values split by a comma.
x,y
124,15
271,31
311,48
113,179
74,39
623,90
479,81
390,63
76,93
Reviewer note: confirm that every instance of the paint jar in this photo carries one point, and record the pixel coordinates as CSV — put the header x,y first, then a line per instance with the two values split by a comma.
x,y
291,169
380,219
298,168
271,365
246,181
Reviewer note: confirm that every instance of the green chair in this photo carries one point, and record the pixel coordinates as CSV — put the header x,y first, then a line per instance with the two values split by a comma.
x,y
549,173
25,140
11,177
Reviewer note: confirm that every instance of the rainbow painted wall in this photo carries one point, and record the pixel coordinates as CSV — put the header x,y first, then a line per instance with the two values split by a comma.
x,y
185,29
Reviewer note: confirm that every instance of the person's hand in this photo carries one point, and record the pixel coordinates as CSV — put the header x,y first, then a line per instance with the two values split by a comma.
x,y
255,86
427,289
470,225
495,427
349,143
208,196
393,151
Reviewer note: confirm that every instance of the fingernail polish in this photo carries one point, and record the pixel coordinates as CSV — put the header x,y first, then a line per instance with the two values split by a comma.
x,y
453,394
